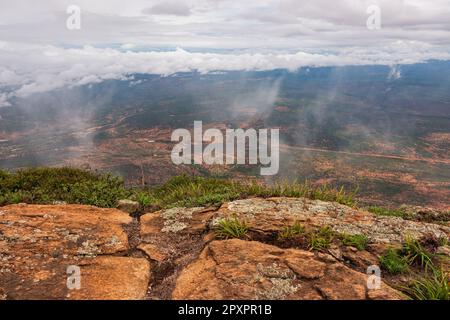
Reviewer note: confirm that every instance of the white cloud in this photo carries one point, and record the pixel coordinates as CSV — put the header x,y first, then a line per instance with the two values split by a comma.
x,y
250,24
394,73
169,8
4,100
128,46
33,68
123,37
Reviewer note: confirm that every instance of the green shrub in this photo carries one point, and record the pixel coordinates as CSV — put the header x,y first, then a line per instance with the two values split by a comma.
x,y
46,185
358,241
231,228
320,239
433,286
19,196
145,199
97,193
389,212
416,253
292,231
393,262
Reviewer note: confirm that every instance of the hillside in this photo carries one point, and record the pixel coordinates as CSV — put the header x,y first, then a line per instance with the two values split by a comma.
x,y
352,126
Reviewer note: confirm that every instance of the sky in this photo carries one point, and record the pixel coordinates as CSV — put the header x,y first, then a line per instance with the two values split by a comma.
x,y
38,53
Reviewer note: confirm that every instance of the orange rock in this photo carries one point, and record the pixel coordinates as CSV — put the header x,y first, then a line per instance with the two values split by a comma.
x,y
153,252
271,215
40,242
113,278
109,249
237,269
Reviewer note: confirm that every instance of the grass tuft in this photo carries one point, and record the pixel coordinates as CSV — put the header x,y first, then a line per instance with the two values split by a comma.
x,y
433,286
415,253
292,231
321,239
229,228
393,262
359,241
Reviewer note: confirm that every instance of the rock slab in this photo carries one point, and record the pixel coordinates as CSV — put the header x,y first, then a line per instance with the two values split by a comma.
x,y
39,243
237,269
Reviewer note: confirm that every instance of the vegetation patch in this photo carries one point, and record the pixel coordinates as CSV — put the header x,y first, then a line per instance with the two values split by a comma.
x,y
293,231
198,191
401,213
321,239
48,185
393,262
145,199
358,241
75,186
298,236
229,228
416,253
433,286
417,257
412,253
426,215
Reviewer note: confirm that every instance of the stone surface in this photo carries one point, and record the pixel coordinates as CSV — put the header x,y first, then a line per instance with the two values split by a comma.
x,y
359,260
38,244
113,278
173,253
170,234
129,206
153,252
271,215
237,269
173,238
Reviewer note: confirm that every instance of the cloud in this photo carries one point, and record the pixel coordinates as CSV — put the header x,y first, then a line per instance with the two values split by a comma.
x,y
169,8
4,100
128,46
394,73
227,24
29,69
118,38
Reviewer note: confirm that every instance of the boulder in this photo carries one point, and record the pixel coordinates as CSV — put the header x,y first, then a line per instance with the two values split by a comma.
x,y
237,269
272,215
39,243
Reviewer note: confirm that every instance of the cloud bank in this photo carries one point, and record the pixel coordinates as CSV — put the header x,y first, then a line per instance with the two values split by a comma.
x,y
28,69
118,38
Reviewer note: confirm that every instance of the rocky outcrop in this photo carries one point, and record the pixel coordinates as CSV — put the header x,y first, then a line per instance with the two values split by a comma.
x,y
269,215
181,242
237,269
174,253
39,243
